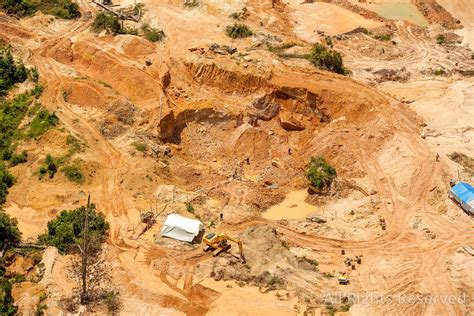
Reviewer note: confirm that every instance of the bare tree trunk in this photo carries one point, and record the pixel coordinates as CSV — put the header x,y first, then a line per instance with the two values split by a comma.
x,y
84,253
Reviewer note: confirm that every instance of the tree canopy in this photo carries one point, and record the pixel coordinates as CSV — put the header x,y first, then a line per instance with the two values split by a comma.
x,y
66,231
319,173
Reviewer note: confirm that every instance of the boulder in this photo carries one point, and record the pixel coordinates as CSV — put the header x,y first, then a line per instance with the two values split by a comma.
x,y
291,121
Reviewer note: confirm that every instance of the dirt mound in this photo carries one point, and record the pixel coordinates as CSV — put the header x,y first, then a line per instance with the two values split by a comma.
x,y
86,94
120,115
435,13
269,263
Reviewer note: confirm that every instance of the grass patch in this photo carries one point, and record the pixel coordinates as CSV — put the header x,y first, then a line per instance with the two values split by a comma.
x,y
12,113
238,31
441,39
439,72
279,49
74,173
139,146
17,159
42,122
384,37
190,208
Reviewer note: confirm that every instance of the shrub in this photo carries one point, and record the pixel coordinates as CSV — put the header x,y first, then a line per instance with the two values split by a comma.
x,y
9,232
441,39
74,173
66,94
6,181
43,121
106,22
191,3
6,299
139,146
319,173
112,301
238,31
384,37
65,232
17,159
328,59
11,72
37,91
33,74
439,72
152,34
49,167
190,208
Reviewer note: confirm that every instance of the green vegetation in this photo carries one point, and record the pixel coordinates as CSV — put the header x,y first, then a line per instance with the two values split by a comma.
x,y
37,91
238,31
139,146
190,208
9,232
112,301
6,181
41,307
34,75
74,173
49,167
6,299
328,59
66,94
331,310
65,232
441,39
43,121
328,40
112,25
63,9
191,3
106,22
11,71
152,34
319,173
384,37
439,72
12,112
17,159
280,49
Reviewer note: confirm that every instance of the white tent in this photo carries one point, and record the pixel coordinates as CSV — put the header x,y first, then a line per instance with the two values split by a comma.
x,y
181,228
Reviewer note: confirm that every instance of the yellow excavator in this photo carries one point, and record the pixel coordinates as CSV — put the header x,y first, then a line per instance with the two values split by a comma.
x,y
218,243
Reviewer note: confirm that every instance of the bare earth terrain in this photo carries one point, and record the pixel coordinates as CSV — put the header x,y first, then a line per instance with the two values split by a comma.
x,y
202,114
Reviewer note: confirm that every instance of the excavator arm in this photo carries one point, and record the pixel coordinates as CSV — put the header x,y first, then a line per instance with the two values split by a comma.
x,y
239,243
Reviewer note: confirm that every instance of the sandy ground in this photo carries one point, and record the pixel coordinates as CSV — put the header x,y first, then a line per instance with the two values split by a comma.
x,y
464,11
319,16
201,105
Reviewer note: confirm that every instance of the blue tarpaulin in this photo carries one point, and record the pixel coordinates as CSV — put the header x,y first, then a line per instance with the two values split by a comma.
x,y
463,193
